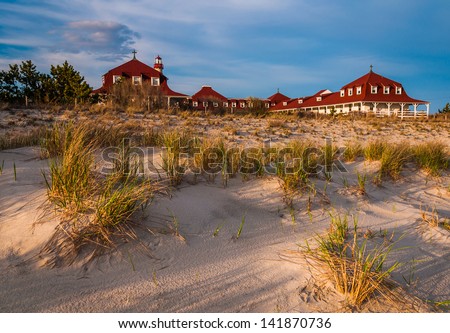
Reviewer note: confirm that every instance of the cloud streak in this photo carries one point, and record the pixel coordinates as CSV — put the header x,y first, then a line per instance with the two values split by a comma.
x,y
105,40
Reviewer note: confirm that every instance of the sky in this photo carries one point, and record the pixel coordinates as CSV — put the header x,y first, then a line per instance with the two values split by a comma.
x,y
240,47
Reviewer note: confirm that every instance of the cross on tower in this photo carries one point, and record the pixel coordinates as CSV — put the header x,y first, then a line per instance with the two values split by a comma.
x,y
371,67
134,54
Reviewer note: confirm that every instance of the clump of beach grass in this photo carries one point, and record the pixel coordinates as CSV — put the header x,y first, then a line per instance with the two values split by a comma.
x,y
95,210
432,157
356,268
393,159
374,150
352,151
71,180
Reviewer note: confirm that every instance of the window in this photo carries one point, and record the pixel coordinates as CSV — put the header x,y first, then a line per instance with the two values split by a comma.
x,y
386,90
374,90
215,104
398,90
285,103
117,78
358,90
342,93
318,99
205,104
350,91
242,105
155,81
195,104
300,101
225,104
267,105
136,80
233,105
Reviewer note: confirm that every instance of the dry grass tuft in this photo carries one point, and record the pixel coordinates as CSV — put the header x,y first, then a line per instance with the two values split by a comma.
x,y
356,268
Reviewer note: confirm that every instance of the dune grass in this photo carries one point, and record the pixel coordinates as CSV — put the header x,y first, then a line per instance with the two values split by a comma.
x,y
432,157
71,180
393,159
94,209
374,150
356,268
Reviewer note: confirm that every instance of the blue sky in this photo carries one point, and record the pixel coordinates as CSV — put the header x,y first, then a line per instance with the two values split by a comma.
x,y
240,47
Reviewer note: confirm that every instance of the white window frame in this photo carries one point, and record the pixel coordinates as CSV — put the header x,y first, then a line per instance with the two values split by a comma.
x,y
398,90
267,105
137,80
342,92
225,104
195,103
386,90
155,81
300,101
350,91
358,90
233,104
242,104
205,104
319,99
215,104
374,90
117,78
285,103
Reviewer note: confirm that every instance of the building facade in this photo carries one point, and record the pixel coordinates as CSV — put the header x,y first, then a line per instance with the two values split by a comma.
x,y
371,93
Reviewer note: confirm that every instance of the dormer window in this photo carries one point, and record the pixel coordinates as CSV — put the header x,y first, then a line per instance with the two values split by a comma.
x,y
267,105
285,103
358,90
242,105
155,81
195,104
300,101
215,104
233,105
136,80
225,104
318,99
342,93
350,91
398,90
117,78
374,90
386,90
205,104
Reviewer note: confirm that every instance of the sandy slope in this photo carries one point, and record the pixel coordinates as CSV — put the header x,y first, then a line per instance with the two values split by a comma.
x,y
259,272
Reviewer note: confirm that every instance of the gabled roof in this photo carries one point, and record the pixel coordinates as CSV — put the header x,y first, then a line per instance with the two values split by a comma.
x,y
208,93
135,67
278,97
365,83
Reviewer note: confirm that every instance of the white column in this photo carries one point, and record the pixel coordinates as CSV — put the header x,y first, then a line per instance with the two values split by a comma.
x,y
375,108
415,110
389,108
402,105
428,109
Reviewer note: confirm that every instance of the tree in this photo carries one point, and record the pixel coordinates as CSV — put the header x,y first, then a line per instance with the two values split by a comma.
x,y
9,84
69,86
257,106
30,80
446,109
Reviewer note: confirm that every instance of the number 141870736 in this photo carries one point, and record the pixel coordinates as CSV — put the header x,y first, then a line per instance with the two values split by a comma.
x,y
296,323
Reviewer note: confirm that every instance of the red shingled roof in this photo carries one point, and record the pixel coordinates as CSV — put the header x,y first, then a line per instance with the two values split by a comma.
x,y
277,98
365,82
208,93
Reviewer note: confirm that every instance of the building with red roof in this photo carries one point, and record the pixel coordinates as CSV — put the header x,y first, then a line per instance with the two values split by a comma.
x,y
371,93
139,73
277,98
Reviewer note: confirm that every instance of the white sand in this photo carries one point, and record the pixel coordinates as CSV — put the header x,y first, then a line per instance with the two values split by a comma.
x,y
259,272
